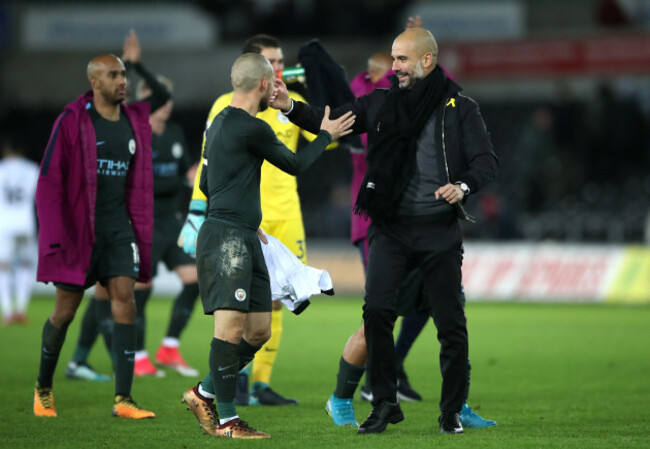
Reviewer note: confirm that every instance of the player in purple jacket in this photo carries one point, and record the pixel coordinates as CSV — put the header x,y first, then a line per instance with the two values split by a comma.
x,y
94,201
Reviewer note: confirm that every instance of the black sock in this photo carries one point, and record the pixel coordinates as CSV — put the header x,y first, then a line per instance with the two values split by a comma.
x,y
246,353
52,341
87,334
224,366
411,328
141,297
347,379
104,317
182,309
124,350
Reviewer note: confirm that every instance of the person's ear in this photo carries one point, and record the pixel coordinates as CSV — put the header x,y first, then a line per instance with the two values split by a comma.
x,y
263,85
427,59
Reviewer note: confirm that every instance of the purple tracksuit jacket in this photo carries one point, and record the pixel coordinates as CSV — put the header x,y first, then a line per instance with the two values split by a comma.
x,y
67,191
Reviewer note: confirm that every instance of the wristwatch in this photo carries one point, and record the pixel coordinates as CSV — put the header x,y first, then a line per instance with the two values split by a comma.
x,y
463,187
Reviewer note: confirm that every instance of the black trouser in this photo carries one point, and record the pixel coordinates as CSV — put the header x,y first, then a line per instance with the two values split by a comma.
x,y
436,249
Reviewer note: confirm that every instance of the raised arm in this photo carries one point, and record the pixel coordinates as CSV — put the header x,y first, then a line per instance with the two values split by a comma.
x,y
132,57
266,145
310,117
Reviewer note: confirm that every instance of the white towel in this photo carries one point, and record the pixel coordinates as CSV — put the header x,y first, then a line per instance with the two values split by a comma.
x,y
292,282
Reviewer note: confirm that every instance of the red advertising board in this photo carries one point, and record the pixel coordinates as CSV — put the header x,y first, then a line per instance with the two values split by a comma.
x,y
537,58
540,271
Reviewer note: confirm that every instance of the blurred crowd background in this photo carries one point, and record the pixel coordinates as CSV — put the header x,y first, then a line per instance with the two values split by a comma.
x,y
564,87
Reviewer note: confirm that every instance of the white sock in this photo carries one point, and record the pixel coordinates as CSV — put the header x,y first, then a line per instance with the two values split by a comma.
x,y
171,342
142,354
24,285
204,393
5,293
227,420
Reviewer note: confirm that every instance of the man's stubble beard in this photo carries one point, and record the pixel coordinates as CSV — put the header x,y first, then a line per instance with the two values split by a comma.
x,y
112,98
418,72
417,75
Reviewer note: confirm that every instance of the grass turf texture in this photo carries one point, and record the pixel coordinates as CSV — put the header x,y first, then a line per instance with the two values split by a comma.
x,y
564,376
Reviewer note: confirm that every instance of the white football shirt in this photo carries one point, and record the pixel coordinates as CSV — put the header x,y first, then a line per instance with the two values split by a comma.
x,y
18,178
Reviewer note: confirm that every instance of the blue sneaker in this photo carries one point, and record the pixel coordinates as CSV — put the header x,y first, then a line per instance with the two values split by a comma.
x,y
341,411
471,420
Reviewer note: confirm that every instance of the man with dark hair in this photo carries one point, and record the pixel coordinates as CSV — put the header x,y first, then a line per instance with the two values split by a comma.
x,y
259,42
233,278
428,150
94,201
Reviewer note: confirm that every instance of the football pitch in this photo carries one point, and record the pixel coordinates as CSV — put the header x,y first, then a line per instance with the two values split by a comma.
x,y
552,376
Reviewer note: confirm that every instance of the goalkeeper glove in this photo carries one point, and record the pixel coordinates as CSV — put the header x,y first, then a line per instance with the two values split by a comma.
x,y
193,222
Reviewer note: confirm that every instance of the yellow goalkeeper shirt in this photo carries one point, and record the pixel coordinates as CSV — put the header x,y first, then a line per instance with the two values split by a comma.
x,y
278,190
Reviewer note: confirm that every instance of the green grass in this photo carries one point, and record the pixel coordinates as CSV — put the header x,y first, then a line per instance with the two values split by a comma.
x,y
553,376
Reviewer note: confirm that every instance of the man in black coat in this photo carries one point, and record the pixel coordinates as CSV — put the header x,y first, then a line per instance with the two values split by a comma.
x,y
428,150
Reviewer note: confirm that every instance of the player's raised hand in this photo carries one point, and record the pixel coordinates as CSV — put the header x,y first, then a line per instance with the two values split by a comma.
x,y
340,127
131,50
414,22
280,96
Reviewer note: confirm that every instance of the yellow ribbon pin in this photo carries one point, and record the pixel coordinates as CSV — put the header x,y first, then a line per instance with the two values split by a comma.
x,y
452,102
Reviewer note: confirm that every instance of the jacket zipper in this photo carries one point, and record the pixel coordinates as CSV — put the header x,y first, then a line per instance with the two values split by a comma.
x,y
465,216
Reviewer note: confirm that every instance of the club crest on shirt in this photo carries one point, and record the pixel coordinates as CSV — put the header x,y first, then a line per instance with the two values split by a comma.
x,y
240,294
177,150
132,146
282,118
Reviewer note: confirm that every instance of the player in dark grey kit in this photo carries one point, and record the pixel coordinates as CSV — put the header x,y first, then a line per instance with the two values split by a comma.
x,y
171,163
233,279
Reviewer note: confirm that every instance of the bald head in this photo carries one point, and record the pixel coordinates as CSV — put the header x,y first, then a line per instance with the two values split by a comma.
x,y
420,41
102,63
378,65
248,70
107,76
415,55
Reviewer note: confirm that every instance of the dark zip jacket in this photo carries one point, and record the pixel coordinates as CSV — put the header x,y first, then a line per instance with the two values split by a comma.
x,y
466,153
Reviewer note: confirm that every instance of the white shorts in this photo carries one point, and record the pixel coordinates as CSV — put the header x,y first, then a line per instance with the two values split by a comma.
x,y
17,247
